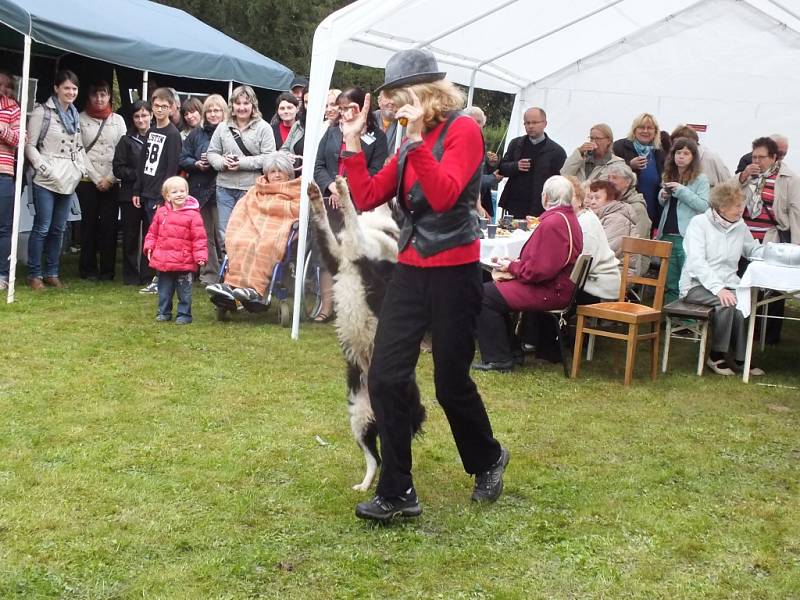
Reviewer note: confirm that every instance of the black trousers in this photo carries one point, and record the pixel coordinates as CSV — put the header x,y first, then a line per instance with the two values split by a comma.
x,y
133,261
445,300
496,324
98,230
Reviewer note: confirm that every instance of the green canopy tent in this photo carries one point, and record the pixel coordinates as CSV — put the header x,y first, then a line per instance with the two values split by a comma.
x,y
136,34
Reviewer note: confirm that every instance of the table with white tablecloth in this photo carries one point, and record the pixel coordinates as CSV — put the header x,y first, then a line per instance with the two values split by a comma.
x,y
784,282
509,246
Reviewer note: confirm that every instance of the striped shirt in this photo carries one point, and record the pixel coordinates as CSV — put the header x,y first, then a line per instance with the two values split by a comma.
x,y
761,224
9,134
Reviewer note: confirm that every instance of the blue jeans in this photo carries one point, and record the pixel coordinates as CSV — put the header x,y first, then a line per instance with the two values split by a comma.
x,y
52,210
6,222
226,200
170,282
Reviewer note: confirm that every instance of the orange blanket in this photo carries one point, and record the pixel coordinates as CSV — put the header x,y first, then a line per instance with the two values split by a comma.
x,y
258,231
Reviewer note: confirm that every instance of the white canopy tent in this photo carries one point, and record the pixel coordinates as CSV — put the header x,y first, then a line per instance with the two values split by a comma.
x,y
727,64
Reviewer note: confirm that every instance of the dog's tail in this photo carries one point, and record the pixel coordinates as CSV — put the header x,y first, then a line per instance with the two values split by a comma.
x,y
417,409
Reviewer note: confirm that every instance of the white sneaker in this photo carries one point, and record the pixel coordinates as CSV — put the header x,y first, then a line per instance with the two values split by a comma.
x,y
150,288
3,284
720,367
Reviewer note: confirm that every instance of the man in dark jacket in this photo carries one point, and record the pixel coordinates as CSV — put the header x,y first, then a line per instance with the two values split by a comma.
x,y
529,161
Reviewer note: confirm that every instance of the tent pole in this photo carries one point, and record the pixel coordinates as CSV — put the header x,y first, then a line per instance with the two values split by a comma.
x,y
23,125
230,90
145,77
471,92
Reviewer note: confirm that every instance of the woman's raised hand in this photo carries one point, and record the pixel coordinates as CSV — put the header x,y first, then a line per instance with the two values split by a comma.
x,y
353,121
414,113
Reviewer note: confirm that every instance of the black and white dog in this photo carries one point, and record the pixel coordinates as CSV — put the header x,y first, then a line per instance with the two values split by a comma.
x,y
361,258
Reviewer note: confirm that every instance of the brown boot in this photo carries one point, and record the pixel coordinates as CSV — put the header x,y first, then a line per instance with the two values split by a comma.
x,y
36,283
53,282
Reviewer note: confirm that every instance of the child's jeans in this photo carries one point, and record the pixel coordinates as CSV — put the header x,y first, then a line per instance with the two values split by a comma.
x,y
170,282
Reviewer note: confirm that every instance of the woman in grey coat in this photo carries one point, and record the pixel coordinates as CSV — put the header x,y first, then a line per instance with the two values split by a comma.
x,y
237,150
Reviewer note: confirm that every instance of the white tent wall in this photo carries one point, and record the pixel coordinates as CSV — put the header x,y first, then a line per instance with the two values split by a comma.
x,y
708,65
729,64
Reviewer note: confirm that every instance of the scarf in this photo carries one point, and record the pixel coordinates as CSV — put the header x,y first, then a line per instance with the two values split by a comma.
x,y
98,113
590,162
69,118
756,186
642,149
722,221
209,129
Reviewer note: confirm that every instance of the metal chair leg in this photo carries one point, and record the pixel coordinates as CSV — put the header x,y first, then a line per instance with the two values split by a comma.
x,y
667,337
701,359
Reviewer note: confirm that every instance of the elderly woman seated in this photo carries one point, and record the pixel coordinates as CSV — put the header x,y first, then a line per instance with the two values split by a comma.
x,y
536,281
714,243
618,218
624,180
258,232
539,331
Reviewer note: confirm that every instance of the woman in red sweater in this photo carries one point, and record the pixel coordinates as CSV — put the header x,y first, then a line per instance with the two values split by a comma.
x,y
436,283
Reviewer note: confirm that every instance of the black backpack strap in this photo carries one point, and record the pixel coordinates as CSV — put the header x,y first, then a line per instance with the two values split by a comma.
x,y
97,137
237,137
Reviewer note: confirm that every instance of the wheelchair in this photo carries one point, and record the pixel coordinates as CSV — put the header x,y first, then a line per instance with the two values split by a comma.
x,y
281,287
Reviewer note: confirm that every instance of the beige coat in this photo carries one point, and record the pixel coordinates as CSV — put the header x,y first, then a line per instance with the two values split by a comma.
x,y
102,153
60,162
785,207
574,165
713,167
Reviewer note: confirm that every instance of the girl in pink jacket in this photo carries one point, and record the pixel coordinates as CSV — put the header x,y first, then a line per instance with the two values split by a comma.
x,y
175,246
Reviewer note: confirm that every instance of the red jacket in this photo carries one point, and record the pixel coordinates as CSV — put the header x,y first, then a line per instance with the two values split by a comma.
x,y
177,238
541,274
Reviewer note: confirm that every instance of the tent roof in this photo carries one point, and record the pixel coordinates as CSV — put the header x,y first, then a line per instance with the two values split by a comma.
x,y
507,44
143,35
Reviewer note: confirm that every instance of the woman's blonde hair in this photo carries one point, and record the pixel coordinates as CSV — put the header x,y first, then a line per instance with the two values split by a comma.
x,y
725,194
247,92
437,98
215,100
604,129
641,120
578,189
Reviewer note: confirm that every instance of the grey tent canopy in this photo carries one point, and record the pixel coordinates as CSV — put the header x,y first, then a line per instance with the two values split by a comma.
x,y
143,35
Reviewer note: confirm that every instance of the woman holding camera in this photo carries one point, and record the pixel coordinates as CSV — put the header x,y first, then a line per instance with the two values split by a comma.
x,y
237,150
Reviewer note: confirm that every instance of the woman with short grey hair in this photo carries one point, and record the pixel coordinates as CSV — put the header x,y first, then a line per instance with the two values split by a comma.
x,y
536,281
279,161
714,242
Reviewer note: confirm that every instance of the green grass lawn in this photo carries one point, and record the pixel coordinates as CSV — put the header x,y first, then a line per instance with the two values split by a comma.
x,y
149,460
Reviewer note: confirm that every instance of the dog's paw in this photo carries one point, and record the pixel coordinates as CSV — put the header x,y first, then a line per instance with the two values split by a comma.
x,y
361,487
315,197
342,190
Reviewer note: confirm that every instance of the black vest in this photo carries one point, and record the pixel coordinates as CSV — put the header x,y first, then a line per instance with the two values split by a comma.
x,y
428,231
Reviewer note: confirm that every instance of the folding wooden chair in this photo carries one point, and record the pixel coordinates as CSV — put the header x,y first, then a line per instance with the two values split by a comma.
x,y
628,313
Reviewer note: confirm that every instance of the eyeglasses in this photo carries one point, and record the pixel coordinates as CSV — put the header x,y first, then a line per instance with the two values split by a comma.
x,y
597,139
533,122
161,107
214,110
760,156
646,128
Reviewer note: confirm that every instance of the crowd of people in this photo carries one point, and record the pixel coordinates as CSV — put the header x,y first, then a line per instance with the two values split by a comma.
x,y
195,182
649,184
646,184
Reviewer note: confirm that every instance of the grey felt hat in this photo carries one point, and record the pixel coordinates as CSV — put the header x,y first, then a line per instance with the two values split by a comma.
x,y
409,67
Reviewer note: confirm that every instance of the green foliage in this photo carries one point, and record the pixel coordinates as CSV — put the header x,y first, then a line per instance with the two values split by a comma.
x,y
142,459
284,31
